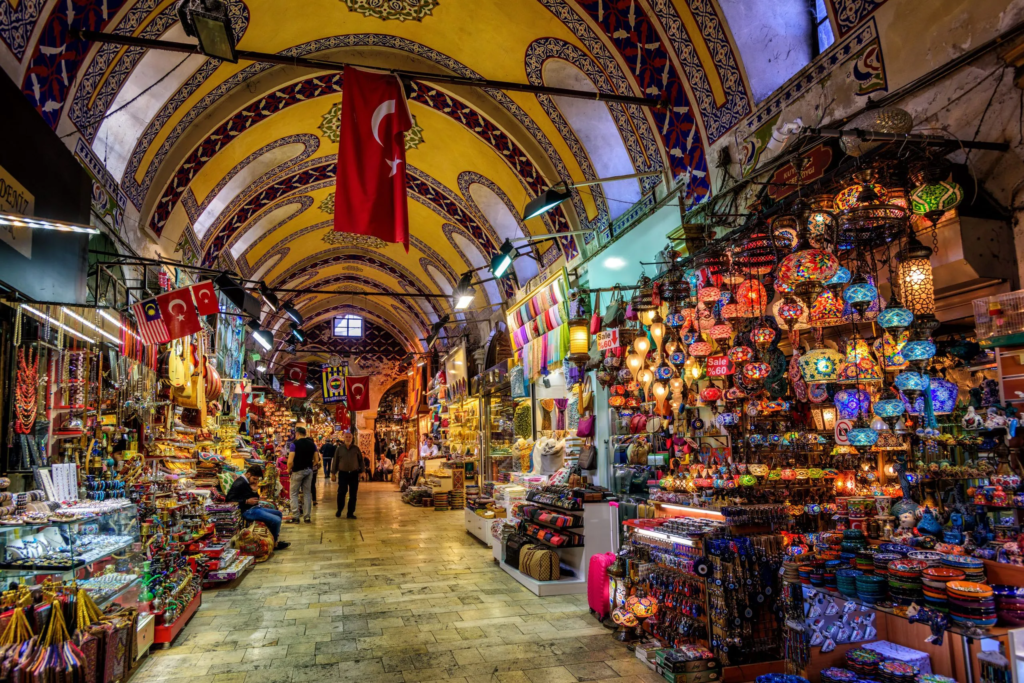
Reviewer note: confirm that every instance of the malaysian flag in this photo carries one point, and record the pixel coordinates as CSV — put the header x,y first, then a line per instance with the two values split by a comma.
x,y
151,326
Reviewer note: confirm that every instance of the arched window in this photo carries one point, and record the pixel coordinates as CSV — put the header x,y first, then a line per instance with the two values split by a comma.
x,y
596,130
505,224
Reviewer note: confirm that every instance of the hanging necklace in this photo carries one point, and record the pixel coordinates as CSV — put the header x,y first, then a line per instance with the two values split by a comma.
x,y
26,402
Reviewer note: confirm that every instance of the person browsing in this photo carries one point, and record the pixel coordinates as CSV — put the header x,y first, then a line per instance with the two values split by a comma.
x,y
243,493
300,464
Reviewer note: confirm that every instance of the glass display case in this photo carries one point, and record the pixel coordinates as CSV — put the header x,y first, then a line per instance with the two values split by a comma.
x,y
499,436
101,551
462,436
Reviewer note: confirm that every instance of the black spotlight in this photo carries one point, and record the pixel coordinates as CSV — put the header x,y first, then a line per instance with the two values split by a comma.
x,y
238,295
292,313
502,261
208,21
296,333
268,295
544,202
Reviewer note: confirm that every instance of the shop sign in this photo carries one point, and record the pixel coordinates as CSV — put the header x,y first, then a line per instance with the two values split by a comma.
x,y
784,181
608,339
843,428
720,366
14,198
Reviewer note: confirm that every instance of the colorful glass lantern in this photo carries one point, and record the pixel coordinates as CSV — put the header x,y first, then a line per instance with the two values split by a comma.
x,y
727,419
854,195
913,384
734,394
792,314
740,354
839,280
774,406
935,199
757,371
677,358
859,365
700,349
944,396
783,288
824,417
710,394
693,370
752,298
845,483
762,335
721,332
862,435
827,310
819,366
887,441
851,403
784,232
641,345
642,606
860,294
732,312
579,340
756,254
889,351
889,409
921,350
895,318
709,295
808,265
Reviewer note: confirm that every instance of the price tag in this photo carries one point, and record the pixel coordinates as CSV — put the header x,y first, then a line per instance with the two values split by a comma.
x,y
608,339
720,366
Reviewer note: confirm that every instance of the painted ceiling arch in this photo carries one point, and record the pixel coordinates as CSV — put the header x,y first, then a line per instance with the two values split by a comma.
x,y
212,154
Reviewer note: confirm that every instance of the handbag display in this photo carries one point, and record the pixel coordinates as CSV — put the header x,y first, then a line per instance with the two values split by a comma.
x,y
588,457
614,313
585,429
514,545
540,564
595,319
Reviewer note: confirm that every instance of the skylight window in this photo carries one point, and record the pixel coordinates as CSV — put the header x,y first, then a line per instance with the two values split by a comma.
x,y
350,326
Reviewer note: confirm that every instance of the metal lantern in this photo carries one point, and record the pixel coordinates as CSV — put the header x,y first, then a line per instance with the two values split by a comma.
x,y
643,297
934,199
824,417
912,384
820,365
784,232
757,371
850,403
755,254
740,354
914,277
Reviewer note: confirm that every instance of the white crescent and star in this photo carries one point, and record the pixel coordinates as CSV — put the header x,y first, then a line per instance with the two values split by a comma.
x,y
383,109
179,316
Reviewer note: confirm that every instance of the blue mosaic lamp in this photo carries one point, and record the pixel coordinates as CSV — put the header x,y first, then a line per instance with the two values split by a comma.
x,y
894,319
944,397
852,402
727,419
836,283
913,384
919,353
862,435
889,408
860,294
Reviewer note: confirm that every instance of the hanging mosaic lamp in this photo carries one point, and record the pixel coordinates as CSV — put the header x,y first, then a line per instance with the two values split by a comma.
x,y
944,396
762,335
821,221
827,310
757,371
890,407
755,254
894,319
887,441
709,295
791,313
740,354
721,332
860,294
914,278
700,349
752,298
710,394
643,297
731,312
862,435
784,232
852,402
820,365
861,193
935,199
807,268
859,365
889,351
783,288
836,283
912,384
919,353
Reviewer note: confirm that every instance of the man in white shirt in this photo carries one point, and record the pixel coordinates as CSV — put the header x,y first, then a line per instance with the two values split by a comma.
x,y
427,449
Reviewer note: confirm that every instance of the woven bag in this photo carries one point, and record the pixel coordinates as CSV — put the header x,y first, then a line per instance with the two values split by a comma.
x,y
539,563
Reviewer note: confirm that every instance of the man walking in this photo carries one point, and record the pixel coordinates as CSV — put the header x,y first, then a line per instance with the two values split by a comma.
x,y
242,492
300,465
345,469
327,453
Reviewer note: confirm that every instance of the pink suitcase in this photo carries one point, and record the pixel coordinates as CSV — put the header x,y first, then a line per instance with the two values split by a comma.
x,y
597,585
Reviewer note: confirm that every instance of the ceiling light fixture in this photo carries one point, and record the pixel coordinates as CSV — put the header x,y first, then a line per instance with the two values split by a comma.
x,y
556,194
262,336
292,313
268,296
502,261
208,22
261,367
67,329
13,220
464,293
297,333
88,324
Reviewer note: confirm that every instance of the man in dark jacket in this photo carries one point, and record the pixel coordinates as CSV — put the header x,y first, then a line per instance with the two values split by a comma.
x,y
327,453
242,492
345,469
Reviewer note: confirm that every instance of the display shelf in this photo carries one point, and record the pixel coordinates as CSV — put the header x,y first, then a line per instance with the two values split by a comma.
x,y
102,604
552,526
552,545
80,562
558,509
164,635
568,586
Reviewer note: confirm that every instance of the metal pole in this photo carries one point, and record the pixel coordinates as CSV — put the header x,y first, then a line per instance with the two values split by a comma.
x,y
875,136
631,176
321,65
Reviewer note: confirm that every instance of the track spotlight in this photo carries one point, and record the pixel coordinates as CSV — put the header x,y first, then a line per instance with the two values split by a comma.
x,y
238,295
296,333
262,336
268,295
208,21
292,313
503,259
464,293
545,201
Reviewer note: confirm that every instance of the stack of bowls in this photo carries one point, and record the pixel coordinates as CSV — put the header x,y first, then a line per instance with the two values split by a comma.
x,y
863,662
934,678
805,574
972,567
971,604
935,580
895,548
846,582
892,671
905,580
1010,604
791,570
932,558
836,675
853,542
831,567
882,561
865,561
872,589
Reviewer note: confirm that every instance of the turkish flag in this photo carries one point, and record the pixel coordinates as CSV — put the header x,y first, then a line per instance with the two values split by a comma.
x,y
357,391
206,298
295,380
341,416
370,194
179,313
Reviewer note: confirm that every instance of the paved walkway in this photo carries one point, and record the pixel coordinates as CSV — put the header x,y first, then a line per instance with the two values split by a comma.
x,y
400,595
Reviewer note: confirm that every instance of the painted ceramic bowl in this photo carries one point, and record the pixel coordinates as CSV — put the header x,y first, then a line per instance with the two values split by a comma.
x,y
969,590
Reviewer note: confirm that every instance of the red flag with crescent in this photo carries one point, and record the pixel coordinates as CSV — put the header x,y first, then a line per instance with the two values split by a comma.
x,y
341,416
295,380
179,313
206,298
370,194
357,390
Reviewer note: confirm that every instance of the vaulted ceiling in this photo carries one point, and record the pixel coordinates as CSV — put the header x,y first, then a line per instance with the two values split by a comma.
x,y
233,165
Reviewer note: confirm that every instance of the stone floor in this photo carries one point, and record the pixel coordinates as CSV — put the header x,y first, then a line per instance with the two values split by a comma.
x,y
402,594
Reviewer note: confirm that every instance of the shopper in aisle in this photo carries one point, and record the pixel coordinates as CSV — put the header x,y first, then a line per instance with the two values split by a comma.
x,y
345,469
317,461
385,467
327,453
300,465
243,493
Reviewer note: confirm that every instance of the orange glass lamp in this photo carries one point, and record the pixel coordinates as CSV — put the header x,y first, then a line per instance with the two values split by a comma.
x,y
846,483
641,345
643,607
626,622
579,341
634,362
